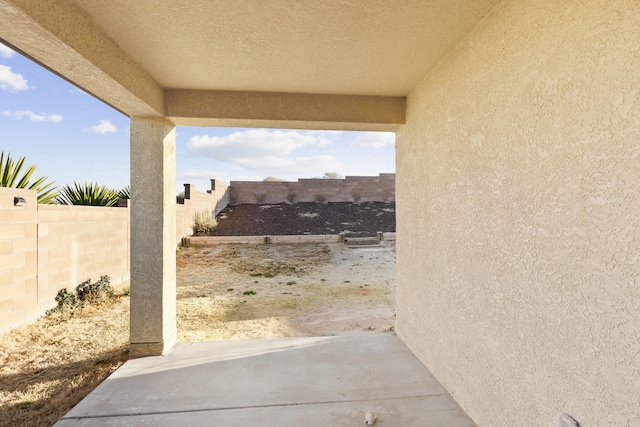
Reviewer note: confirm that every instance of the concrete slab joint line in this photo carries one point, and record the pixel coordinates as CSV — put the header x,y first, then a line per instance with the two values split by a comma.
x,y
233,408
330,381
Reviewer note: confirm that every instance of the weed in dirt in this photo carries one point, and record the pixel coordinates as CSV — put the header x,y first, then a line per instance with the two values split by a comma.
x,y
249,292
323,280
258,260
23,403
347,281
269,275
293,282
230,290
255,281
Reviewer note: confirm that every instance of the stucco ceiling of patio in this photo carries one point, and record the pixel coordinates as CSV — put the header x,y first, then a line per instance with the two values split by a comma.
x,y
160,52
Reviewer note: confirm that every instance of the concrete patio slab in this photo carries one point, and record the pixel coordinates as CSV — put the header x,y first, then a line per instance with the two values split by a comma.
x,y
323,381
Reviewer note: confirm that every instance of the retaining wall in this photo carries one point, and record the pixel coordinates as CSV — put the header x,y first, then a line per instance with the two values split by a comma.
x,y
379,188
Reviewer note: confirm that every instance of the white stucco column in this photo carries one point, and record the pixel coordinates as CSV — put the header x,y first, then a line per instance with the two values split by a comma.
x,y
153,236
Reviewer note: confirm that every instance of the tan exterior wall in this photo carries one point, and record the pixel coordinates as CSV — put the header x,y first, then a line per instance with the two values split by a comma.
x,y
44,248
379,188
214,200
519,216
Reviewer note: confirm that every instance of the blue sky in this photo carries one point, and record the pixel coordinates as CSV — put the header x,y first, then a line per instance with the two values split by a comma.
x,y
72,136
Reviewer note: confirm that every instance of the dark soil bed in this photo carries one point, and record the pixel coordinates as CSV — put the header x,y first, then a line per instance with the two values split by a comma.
x,y
353,219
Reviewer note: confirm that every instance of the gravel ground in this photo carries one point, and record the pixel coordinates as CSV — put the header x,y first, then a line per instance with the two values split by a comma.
x,y
354,219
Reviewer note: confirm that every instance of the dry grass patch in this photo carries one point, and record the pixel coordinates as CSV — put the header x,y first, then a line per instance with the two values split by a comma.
x,y
274,291
49,366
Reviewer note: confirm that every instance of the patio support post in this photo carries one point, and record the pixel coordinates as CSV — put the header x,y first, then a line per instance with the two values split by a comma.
x,y
153,236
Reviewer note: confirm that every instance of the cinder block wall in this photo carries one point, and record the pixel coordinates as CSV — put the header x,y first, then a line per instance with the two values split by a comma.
x,y
379,188
215,199
519,216
76,243
19,302
44,248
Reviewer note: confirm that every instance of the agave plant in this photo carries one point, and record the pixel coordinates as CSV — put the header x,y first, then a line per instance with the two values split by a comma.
x,y
11,176
125,193
87,194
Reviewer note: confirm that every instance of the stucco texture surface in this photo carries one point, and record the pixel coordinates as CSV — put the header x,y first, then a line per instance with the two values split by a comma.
x,y
519,216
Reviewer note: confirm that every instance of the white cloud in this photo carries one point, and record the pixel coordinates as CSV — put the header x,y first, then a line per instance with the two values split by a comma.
x,y
252,144
10,81
268,152
199,174
374,139
105,126
298,166
6,52
43,117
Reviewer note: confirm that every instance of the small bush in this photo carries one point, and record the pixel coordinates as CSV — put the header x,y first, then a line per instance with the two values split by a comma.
x,y
291,197
95,292
249,292
86,293
321,198
204,222
64,298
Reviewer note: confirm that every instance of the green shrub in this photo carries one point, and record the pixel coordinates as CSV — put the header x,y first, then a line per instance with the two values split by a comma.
x,y
204,222
89,194
95,292
10,176
125,193
86,293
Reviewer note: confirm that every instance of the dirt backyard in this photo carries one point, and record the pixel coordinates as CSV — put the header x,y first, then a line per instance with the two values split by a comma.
x,y
223,292
274,291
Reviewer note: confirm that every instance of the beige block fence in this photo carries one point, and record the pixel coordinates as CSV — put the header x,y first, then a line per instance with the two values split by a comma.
x,y
215,199
379,188
44,248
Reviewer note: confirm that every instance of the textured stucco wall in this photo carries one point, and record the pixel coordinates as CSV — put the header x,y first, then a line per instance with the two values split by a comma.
x,y
152,325
519,216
